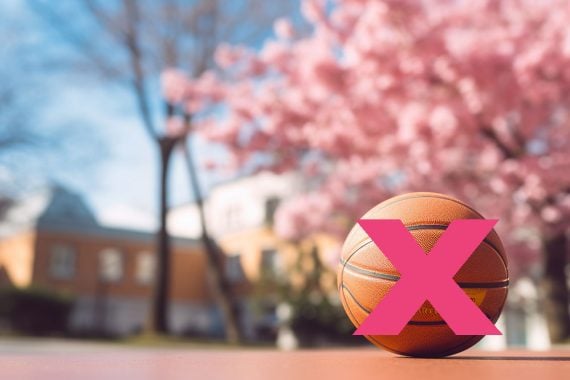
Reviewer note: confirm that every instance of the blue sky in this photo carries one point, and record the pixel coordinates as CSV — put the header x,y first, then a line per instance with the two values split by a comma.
x,y
121,185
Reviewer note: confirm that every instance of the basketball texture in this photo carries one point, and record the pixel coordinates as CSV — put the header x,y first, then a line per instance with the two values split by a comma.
x,y
365,275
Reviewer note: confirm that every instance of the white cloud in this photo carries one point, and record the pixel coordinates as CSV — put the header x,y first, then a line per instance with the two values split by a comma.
x,y
125,216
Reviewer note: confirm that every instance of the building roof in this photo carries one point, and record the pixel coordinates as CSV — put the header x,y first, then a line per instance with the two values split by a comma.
x,y
110,233
61,210
66,207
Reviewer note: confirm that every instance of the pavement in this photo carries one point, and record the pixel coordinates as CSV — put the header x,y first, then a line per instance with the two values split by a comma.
x,y
47,360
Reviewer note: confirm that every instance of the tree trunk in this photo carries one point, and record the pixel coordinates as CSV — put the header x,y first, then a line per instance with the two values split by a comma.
x,y
220,285
158,319
222,290
555,286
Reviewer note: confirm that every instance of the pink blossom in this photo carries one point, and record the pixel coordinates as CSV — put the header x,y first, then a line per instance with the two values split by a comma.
x,y
382,97
174,85
175,126
551,214
284,29
443,122
313,10
227,55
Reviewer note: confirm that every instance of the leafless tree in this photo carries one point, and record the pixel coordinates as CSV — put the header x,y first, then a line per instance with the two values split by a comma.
x,y
131,42
15,103
24,144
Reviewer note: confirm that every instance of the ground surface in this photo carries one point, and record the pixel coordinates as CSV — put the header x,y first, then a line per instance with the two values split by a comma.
x,y
48,360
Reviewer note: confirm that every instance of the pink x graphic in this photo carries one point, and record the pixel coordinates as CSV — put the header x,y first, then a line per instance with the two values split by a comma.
x,y
427,277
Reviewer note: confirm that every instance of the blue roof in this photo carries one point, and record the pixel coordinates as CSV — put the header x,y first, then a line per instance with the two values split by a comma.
x,y
67,212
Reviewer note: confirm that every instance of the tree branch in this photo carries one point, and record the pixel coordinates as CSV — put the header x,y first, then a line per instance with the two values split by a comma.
x,y
63,28
490,134
135,58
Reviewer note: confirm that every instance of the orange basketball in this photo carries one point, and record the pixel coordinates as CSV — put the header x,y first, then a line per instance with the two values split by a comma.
x,y
365,275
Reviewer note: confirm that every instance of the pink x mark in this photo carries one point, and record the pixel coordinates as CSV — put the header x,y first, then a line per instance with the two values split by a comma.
x,y
427,277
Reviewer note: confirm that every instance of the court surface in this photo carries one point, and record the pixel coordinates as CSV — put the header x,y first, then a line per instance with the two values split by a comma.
x,y
252,364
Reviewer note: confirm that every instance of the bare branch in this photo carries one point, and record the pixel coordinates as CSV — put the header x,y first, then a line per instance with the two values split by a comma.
x,y
83,43
132,44
490,134
146,37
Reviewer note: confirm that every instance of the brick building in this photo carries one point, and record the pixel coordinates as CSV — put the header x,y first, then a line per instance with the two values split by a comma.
x,y
53,240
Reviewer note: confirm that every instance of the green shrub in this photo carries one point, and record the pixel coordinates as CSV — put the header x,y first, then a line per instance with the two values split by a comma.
x,y
316,319
34,311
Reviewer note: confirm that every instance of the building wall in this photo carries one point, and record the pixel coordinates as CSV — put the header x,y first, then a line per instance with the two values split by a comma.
x,y
17,257
237,214
121,307
235,206
124,316
188,267
251,245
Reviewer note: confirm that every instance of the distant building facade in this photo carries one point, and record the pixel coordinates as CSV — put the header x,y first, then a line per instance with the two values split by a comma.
x,y
239,215
54,241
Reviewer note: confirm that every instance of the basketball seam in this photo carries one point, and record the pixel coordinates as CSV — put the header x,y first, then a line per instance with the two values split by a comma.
x,y
393,278
450,351
341,282
423,227
371,273
453,350
432,195
420,227
410,322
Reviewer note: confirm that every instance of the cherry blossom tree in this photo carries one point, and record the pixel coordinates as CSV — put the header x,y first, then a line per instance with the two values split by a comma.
x,y
468,98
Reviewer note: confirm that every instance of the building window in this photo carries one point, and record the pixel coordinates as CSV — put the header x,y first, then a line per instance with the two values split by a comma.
x,y
271,205
233,216
234,269
145,267
111,266
271,263
62,262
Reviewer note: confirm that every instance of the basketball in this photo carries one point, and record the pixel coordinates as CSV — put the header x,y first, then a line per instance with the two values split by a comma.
x,y
365,275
